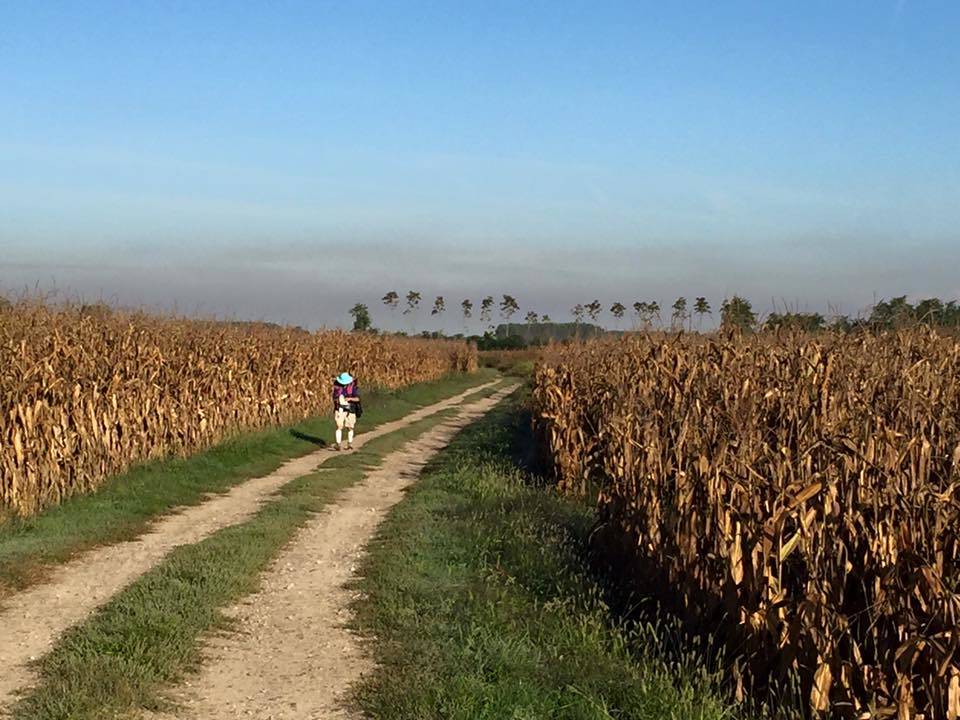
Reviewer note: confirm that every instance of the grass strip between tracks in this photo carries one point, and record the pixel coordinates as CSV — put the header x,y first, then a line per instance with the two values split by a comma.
x,y
148,637
123,508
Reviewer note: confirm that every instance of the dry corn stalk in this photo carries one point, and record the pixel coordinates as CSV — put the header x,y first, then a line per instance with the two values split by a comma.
x,y
799,493
86,394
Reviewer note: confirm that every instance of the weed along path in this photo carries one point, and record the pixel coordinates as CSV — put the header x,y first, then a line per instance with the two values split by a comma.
x,y
291,655
31,620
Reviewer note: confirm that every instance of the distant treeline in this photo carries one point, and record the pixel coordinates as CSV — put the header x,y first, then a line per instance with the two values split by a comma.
x,y
885,315
737,313
683,314
545,332
734,312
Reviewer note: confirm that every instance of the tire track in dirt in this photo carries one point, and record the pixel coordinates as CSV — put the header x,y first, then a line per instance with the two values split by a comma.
x,y
32,620
291,655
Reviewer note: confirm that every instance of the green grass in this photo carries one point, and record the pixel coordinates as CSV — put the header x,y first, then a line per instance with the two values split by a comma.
x,y
148,636
479,604
487,392
513,363
126,504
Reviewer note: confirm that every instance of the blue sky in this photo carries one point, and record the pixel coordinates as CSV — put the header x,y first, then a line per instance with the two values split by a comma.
x,y
284,160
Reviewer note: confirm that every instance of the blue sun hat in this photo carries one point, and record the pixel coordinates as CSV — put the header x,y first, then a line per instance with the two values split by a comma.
x,y
345,378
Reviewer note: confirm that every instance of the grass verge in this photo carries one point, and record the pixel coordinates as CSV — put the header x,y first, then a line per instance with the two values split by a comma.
x,y
148,637
480,604
127,503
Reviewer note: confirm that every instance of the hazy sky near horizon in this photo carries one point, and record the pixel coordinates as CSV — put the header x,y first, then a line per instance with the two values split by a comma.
x,y
284,160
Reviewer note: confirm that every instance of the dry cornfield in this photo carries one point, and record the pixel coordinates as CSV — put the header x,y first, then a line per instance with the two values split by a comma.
x,y
84,395
796,496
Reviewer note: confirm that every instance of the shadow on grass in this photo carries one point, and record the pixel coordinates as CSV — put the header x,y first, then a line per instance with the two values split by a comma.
x,y
309,438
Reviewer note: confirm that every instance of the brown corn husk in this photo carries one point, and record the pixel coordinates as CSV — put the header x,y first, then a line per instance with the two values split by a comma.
x,y
797,495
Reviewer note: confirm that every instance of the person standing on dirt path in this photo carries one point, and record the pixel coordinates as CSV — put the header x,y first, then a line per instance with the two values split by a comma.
x,y
346,407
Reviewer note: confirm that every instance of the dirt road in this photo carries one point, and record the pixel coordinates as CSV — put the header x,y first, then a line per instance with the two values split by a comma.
x,y
31,621
292,656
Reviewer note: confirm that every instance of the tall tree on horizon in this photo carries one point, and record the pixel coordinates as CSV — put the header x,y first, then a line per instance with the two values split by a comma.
x,y
439,306
640,310
577,311
617,310
361,317
532,318
508,306
737,312
593,310
653,307
701,307
413,302
486,311
391,300
467,308
679,315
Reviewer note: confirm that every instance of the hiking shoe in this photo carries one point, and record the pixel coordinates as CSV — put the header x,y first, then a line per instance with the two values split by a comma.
x,y
350,446
336,446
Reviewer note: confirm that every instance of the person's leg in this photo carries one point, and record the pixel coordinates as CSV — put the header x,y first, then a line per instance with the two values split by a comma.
x,y
339,418
351,423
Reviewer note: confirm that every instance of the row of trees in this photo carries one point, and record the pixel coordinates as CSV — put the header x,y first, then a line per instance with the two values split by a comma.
x,y
508,307
647,314
884,315
734,312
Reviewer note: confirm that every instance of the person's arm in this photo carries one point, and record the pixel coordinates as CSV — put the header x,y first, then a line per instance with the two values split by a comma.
x,y
355,397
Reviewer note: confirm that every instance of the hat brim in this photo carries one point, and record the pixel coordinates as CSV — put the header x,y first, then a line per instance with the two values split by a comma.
x,y
345,379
